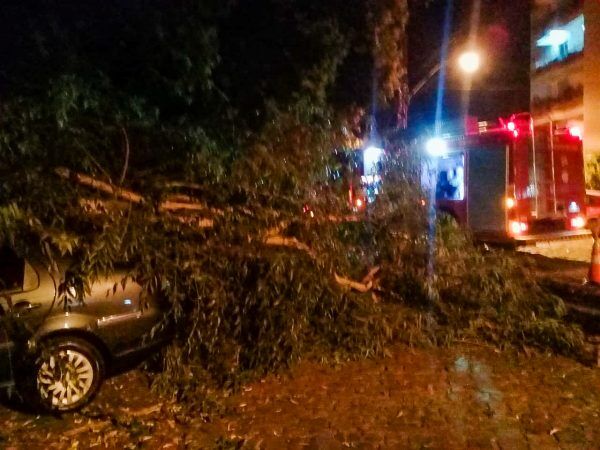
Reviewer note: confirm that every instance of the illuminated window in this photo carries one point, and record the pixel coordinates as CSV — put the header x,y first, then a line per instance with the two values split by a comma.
x,y
560,42
450,183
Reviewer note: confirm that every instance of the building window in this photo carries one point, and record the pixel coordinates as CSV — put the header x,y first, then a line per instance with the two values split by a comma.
x,y
560,42
563,50
450,182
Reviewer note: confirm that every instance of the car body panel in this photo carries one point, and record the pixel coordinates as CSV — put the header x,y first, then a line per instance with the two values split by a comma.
x,y
116,313
120,316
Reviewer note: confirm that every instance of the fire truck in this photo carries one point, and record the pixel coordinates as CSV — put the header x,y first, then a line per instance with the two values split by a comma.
x,y
510,182
360,170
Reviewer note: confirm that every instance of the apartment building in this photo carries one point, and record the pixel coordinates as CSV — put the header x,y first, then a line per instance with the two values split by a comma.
x,y
565,69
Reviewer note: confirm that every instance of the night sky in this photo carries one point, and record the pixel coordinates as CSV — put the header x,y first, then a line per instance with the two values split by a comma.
x,y
502,85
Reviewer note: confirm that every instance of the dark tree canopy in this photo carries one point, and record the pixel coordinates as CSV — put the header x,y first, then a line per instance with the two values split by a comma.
x,y
207,58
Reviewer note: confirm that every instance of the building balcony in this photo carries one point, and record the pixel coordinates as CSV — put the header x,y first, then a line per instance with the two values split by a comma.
x,y
568,99
558,41
565,63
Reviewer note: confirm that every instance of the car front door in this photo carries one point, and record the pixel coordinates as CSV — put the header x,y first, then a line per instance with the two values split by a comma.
x,y
26,294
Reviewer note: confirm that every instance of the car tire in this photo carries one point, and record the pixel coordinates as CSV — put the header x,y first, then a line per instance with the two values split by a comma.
x,y
68,373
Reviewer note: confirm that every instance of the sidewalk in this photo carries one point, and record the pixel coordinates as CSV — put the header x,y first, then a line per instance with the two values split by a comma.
x,y
466,396
578,249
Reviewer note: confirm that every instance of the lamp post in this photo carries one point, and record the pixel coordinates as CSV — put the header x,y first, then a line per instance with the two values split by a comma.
x,y
469,62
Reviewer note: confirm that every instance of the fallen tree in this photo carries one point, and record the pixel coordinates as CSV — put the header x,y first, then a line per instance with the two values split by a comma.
x,y
178,203
213,172
253,292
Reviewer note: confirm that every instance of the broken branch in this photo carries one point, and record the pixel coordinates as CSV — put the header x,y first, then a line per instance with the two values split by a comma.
x,y
360,287
289,242
369,277
126,145
102,186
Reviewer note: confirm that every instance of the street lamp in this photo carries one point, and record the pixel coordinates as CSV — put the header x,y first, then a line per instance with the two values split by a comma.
x,y
436,147
469,62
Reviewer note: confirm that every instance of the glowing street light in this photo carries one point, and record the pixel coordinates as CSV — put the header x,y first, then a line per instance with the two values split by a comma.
x,y
469,62
372,154
371,157
436,147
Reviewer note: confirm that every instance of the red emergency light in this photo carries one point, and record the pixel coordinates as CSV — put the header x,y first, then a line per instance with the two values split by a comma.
x,y
512,127
576,132
577,222
516,228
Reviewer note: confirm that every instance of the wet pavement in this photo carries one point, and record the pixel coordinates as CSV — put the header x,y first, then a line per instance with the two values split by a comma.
x,y
465,396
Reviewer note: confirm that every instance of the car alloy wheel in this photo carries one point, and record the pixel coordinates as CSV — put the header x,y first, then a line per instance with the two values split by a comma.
x,y
68,374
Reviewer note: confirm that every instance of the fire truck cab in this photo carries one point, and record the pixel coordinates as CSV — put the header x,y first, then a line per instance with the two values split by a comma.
x,y
505,181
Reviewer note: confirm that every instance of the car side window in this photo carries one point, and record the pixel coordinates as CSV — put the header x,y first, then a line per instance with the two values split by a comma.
x,y
12,270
